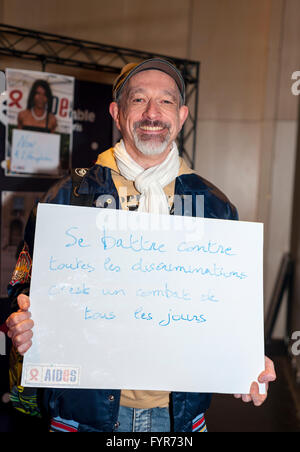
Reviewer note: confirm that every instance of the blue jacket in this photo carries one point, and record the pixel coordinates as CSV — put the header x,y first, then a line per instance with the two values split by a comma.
x,y
97,410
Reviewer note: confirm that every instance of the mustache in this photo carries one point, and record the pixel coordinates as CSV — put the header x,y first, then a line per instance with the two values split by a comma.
x,y
148,123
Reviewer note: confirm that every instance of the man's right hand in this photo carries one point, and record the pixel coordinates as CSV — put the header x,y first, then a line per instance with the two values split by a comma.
x,y
20,325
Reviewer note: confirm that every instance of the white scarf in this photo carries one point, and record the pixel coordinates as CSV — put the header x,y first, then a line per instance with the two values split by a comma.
x,y
149,182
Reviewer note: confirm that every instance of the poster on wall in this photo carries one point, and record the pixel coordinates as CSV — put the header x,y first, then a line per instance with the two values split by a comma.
x,y
39,123
92,123
16,208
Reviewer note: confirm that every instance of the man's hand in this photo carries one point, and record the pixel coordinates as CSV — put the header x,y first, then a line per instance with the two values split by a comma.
x,y
19,325
266,377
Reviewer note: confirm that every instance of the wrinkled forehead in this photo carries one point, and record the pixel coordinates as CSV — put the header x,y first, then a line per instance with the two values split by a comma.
x,y
152,80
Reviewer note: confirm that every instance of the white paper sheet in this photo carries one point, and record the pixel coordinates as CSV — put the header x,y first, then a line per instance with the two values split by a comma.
x,y
125,300
35,152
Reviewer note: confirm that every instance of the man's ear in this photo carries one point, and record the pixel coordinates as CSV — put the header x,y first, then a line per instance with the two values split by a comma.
x,y
183,114
114,111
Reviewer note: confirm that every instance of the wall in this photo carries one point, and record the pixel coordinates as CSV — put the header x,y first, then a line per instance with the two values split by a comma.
x,y
282,117
247,115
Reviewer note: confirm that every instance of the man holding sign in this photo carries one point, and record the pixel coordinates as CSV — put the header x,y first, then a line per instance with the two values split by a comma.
x,y
142,172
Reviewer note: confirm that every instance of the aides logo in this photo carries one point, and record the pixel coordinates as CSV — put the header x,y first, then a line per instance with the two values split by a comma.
x,y
52,375
2,82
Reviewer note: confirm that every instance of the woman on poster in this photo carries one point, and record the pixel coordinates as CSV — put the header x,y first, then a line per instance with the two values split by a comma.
x,y
38,116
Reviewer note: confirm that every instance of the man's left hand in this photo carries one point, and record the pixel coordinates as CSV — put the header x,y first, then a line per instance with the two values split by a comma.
x,y
266,377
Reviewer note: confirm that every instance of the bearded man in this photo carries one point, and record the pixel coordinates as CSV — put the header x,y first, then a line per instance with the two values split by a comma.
x,y
149,110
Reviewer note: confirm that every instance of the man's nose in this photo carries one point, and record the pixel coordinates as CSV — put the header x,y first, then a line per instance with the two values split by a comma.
x,y
152,110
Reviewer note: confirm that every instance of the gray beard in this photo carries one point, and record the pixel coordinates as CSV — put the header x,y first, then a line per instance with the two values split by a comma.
x,y
150,147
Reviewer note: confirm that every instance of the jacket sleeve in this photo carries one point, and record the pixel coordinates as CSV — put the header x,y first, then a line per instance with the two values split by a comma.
x,y
22,399
233,212
59,193
20,280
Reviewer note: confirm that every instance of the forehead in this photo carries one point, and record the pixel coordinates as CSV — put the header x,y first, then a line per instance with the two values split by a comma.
x,y
154,80
40,88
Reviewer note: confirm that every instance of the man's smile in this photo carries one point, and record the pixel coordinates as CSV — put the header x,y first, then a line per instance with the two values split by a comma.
x,y
152,129
147,127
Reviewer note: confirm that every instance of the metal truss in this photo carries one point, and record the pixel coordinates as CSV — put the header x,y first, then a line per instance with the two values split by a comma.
x,y
48,48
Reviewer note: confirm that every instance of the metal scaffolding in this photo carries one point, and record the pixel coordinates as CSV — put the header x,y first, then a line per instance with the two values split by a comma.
x,y
49,48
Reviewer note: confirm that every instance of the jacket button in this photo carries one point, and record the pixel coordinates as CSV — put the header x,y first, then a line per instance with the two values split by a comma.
x,y
117,424
111,398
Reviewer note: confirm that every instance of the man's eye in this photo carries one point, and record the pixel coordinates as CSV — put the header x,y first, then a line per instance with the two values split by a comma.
x,y
166,101
137,100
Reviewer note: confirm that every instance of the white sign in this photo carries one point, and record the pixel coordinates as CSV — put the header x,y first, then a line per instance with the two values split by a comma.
x,y
35,152
125,300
